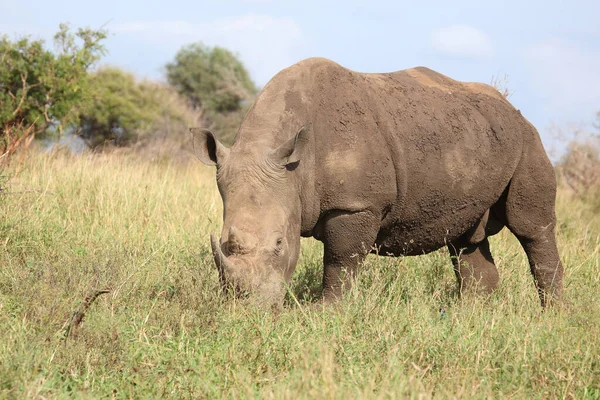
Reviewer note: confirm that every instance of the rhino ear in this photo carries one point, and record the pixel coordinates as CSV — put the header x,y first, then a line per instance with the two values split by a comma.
x,y
291,151
207,148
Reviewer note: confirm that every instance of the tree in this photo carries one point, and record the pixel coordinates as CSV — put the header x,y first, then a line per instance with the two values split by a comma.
x,y
40,89
124,110
211,78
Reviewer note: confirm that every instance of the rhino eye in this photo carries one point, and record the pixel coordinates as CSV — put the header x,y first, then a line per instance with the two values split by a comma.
x,y
278,246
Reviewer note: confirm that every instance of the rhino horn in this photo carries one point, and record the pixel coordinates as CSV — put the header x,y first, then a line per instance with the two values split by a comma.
x,y
223,264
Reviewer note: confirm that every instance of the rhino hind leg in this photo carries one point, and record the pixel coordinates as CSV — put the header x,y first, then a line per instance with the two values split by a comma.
x,y
474,267
530,216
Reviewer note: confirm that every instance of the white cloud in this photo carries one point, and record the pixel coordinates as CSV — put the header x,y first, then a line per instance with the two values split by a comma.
x,y
265,44
462,40
566,75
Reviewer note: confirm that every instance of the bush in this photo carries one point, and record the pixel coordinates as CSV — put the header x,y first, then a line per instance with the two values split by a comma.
x,y
216,81
579,169
40,89
125,111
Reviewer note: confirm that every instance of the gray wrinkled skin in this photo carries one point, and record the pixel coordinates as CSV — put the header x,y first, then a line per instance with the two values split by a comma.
x,y
398,163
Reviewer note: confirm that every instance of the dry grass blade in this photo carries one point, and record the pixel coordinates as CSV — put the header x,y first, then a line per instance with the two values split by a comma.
x,y
501,85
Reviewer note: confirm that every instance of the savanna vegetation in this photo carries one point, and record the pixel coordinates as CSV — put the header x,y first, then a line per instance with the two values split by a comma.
x,y
139,229
108,288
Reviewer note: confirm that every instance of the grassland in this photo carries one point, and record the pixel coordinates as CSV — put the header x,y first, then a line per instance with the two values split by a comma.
x,y
69,225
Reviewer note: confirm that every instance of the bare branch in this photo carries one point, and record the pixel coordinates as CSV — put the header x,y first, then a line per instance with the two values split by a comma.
x,y
24,94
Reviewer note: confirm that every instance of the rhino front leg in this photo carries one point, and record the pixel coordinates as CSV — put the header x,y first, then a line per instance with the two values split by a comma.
x,y
348,238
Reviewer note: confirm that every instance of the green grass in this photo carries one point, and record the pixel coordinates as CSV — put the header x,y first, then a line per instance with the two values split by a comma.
x,y
69,225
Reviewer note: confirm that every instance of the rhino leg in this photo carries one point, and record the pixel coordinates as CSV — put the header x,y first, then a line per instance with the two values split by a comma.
x,y
474,267
530,216
473,263
545,265
348,238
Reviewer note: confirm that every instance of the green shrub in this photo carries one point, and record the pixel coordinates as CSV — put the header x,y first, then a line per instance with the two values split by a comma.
x,y
125,110
40,89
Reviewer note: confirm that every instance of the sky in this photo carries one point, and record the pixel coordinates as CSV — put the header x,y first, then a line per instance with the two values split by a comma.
x,y
548,50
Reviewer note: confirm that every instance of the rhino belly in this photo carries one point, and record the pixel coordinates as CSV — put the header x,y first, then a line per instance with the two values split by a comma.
x,y
420,229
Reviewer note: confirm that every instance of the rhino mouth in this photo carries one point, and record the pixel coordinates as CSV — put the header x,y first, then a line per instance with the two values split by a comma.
x,y
268,286
229,274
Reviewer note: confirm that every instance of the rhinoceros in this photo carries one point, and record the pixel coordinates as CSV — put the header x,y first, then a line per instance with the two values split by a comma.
x,y
396,164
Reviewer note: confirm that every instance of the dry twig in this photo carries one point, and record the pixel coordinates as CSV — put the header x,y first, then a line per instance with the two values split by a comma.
x,y
77,317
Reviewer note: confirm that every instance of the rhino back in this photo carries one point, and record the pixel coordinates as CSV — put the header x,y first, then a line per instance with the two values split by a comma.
x,y
427,153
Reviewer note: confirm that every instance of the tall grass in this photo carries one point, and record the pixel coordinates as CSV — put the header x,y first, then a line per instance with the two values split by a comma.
x,y
69,225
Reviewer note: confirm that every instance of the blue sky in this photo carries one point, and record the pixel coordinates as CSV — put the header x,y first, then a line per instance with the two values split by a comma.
x,y
550,50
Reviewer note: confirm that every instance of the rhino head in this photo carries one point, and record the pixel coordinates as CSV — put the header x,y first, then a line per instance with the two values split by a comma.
x,y
260,241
